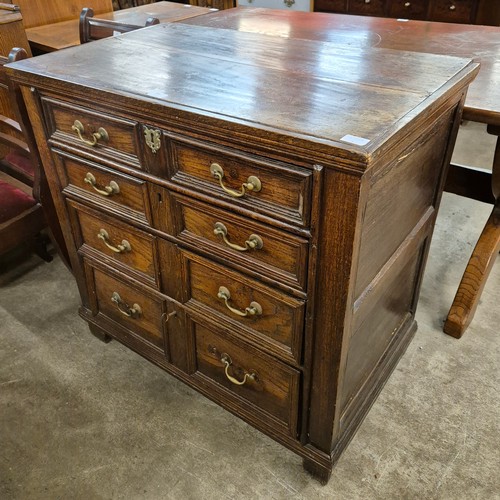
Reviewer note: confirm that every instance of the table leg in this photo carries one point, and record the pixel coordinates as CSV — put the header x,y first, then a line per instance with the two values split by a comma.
x,y
481,262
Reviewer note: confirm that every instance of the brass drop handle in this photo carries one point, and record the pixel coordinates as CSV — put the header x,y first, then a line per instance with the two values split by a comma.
x,y
227,362
124,247
453,7
254,241
110,189
101,134
253,183
132,312
254,309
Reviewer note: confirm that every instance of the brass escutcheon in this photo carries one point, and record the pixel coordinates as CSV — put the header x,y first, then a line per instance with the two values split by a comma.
x,y
152,137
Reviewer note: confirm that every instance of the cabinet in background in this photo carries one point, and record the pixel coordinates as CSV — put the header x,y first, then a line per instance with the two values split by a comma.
x,y
302,5
450,11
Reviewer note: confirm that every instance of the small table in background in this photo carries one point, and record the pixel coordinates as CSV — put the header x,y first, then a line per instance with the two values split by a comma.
x,y
51,37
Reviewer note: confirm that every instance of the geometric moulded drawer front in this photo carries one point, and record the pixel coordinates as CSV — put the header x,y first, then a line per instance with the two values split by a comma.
x,y
103,187
273,253
275,189
267,388
134,309
92,132
131,250
270,319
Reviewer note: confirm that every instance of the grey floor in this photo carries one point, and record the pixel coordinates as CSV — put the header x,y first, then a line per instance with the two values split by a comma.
x,y
84,420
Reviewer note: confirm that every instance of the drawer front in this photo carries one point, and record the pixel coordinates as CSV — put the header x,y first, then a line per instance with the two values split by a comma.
x,y
453,11
133,251
276,190
411,9
367,7
135,309
253,246
257,380
302,5
92,131
259,314
330,6
105,187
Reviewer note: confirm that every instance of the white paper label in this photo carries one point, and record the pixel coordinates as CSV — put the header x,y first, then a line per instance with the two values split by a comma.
x,y
354,139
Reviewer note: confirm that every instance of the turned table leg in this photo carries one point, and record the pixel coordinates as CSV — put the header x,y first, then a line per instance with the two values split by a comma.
x,y
481,262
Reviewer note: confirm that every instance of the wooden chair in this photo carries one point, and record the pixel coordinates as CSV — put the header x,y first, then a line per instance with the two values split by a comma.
x,y
21,216
94,29
42,12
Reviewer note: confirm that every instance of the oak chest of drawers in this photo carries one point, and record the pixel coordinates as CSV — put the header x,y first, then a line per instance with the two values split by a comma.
x,y
251,214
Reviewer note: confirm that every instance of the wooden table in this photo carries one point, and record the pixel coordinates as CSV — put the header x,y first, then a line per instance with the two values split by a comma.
x,y
51,37
482,43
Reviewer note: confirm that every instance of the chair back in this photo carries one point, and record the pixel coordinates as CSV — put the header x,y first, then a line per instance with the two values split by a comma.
x,y
22,218
42,12
12,134
92,28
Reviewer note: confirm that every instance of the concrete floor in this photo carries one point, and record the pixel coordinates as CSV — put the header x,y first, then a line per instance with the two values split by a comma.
x,y
84,420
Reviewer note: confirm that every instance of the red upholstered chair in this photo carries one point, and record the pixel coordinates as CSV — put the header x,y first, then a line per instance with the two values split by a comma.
x,y
21,216
94,29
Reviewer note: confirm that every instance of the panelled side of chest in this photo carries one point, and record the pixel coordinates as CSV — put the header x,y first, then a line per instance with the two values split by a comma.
x,y
399,217
375,232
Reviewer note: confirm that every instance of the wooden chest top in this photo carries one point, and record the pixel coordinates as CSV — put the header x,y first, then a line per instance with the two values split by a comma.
x,y
305,90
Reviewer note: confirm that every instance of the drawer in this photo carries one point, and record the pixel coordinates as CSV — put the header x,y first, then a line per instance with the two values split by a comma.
x,y
253,247
92,132
367,7
330,6
261,385
453,11
275,189
270,319
118,244
409,9
104,188
138,310
302,5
